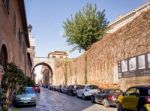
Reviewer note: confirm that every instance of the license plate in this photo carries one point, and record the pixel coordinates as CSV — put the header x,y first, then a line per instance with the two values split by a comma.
x,y
25,101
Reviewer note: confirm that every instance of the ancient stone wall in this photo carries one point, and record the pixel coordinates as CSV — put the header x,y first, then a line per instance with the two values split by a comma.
x,y
99,65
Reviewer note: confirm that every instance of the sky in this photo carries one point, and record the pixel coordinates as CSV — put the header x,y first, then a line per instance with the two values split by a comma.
x,y
47,17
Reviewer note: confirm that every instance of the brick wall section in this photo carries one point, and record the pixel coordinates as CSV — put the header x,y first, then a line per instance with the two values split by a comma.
x,y
132,39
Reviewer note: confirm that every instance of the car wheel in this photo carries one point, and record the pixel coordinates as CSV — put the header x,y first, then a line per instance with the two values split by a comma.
x,y
105,103
119,107
83,97
92,99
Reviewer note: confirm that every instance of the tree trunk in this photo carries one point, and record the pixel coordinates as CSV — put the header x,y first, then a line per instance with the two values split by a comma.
x,y
8,98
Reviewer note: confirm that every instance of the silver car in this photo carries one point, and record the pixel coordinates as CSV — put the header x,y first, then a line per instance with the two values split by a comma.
x,y
28,97
87,91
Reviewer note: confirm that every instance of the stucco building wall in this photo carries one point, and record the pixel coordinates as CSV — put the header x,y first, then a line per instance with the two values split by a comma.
x,y
14,35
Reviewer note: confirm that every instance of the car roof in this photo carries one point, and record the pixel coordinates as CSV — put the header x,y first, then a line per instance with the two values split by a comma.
x,y
29,87
141,86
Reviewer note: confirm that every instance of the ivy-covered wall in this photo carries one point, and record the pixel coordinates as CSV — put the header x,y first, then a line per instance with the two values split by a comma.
x,y
99,65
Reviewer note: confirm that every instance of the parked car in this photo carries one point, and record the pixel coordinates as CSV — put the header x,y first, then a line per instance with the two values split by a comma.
x,y
37,88
27,97
135,98
72,89
57,88
107,97
50,87
69,90
87,91
77,87
63,89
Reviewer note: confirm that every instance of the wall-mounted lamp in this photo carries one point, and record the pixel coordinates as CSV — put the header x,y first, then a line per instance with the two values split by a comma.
x,y
29,27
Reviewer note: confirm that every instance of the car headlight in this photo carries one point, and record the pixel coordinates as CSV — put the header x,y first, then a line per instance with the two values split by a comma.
x,y
33,98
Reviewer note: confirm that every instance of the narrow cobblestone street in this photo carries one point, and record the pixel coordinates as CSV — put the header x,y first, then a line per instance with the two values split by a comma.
x,y
54,101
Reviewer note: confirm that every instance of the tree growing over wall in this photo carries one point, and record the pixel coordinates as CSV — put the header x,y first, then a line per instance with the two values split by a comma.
x,y
86,27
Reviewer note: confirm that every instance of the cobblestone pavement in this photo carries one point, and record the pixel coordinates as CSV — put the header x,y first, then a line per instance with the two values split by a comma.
x,y
54,101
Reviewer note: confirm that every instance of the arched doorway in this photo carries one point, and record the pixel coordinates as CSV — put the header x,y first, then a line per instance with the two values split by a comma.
x,y
3,56
47,73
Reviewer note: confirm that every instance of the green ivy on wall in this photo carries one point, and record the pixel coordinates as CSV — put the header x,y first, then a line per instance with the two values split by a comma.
x,y
65,72
85,70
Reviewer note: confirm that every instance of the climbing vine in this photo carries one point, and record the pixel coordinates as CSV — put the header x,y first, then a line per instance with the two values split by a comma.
x,y
65,72
85,70
14,80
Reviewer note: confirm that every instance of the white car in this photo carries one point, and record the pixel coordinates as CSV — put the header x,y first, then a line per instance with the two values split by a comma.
x,y
87,91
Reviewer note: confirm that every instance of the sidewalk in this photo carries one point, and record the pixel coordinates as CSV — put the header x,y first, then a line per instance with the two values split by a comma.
x,y
14,109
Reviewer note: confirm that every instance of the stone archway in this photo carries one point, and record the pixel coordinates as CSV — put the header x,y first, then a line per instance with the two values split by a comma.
x,y
47,74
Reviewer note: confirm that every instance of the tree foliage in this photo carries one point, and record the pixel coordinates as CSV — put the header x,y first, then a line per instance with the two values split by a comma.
x,y
86,27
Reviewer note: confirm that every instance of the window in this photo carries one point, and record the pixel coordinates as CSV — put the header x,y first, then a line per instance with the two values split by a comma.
x,y
119,67
144,92
132,63
3,56
124,66
132,91
53,56
148,57
141,62
61,57
14,24
6,3
20,37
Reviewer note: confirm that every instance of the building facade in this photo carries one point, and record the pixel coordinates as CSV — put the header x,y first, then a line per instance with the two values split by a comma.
x,y
48,75
128,17
14,39
58,54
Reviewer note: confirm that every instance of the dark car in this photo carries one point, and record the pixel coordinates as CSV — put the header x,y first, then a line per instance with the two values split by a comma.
x,y
57,88
63,89
136,98
107,97
37,88
69,89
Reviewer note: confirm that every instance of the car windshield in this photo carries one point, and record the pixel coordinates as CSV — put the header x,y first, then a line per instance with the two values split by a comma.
x,y
29,91
115,91
92,87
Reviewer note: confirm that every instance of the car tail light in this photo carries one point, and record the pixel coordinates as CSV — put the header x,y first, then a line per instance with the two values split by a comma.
x,y
147,99
110,97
